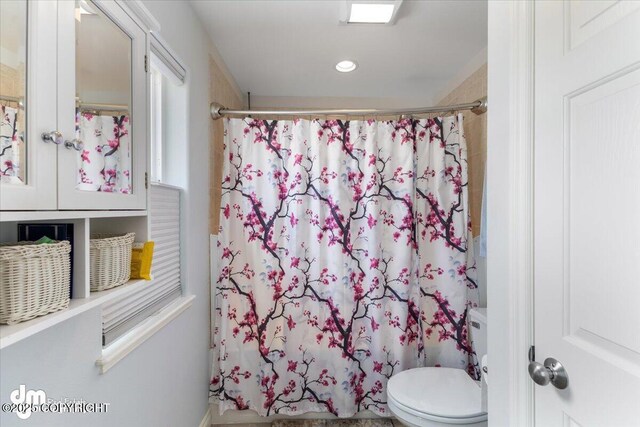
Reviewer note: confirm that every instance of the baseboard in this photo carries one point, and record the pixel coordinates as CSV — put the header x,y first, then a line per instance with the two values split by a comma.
x,y
206,421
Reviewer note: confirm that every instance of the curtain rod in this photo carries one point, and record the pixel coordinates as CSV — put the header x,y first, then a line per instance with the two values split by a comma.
x,y
100,107
103,107
478,107
82,105
17,100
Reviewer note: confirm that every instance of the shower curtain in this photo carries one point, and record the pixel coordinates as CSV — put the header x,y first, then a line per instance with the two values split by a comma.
x,y
104,163
345,257
10,142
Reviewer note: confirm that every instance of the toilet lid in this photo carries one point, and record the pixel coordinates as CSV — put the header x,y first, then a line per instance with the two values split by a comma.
x,y
443,392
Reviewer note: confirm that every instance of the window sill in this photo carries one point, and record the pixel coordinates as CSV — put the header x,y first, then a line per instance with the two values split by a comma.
x,y
134,338
11,334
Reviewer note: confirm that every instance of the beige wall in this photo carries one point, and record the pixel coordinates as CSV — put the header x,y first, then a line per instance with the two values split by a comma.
x,y
221,90
475,129
331,102
12,83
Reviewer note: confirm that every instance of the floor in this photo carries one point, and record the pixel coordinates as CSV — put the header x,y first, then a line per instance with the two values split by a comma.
x,y
374,422
379,422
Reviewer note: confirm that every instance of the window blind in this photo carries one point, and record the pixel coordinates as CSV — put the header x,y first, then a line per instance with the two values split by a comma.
x,y
166,61
121,315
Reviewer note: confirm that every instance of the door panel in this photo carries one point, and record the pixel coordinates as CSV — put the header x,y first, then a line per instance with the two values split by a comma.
x,y
33,186
587,206
103,107
586,19
602,159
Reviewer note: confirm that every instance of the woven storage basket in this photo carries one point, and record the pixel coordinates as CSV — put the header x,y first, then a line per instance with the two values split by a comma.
x,y
110,258
34,279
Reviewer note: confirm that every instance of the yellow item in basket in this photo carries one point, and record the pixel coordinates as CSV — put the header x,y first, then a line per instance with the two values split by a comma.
x,y
141,256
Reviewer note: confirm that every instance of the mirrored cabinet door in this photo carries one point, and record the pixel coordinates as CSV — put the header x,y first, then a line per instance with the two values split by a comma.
x,y
28,105
102,110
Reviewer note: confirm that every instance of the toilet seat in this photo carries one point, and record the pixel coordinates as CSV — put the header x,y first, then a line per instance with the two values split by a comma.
x,y
445,395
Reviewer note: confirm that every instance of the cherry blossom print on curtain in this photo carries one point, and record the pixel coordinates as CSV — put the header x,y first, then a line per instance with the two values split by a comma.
x,y
10,143
104,163
344,259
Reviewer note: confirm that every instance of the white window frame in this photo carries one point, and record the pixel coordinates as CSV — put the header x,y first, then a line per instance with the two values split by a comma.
x,y
165,68
156,120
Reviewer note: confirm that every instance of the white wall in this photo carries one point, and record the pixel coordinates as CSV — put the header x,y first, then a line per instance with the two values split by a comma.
x,y
164,382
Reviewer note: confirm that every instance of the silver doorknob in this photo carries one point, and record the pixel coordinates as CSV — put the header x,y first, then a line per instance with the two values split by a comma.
x,y
53,136
551,372
76,144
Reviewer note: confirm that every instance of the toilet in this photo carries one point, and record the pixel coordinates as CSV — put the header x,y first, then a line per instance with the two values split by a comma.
x,y
441,397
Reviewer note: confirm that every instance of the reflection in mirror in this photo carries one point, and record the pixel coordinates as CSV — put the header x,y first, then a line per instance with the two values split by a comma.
x,y
13,59
103,90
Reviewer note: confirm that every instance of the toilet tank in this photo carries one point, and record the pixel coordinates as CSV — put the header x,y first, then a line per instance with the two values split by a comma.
x,y
478,330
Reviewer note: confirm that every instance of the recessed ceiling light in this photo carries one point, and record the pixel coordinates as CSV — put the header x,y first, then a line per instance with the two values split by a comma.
x,y
85,9
371,13
82,8
346,66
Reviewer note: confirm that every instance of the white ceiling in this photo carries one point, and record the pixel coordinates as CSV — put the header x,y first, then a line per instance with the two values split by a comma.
x,y
289,48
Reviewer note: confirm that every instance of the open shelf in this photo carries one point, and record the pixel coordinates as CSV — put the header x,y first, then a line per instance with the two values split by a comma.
x,y
11,334
84,224
62,215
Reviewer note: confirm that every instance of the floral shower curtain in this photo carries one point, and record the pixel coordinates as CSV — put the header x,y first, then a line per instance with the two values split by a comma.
x,y
104,163
345,257
10,144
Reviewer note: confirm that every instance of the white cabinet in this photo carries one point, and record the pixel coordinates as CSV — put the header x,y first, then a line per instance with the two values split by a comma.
x,y
79,70
74,131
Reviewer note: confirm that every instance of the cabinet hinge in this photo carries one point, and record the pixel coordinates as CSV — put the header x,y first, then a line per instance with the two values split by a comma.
x,y
146,64
146,180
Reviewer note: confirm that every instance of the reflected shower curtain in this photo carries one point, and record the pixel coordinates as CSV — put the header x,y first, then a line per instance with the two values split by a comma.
x,y
11,141
345,257
104,163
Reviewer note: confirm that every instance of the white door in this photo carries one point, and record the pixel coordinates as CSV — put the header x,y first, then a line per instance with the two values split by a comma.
x,y
587,210
28,61
102,73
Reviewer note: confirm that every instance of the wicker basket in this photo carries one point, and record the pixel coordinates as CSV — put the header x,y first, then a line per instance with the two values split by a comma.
x,y
110,258
34,279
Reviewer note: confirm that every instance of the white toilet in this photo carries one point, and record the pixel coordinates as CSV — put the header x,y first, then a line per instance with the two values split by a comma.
x,y
441,397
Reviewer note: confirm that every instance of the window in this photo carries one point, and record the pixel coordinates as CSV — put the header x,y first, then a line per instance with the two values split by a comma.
x,y
121,315
156,125
167,136
166,75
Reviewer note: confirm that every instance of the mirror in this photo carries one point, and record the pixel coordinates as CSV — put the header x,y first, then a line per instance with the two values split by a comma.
x,y
13,77
103,99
